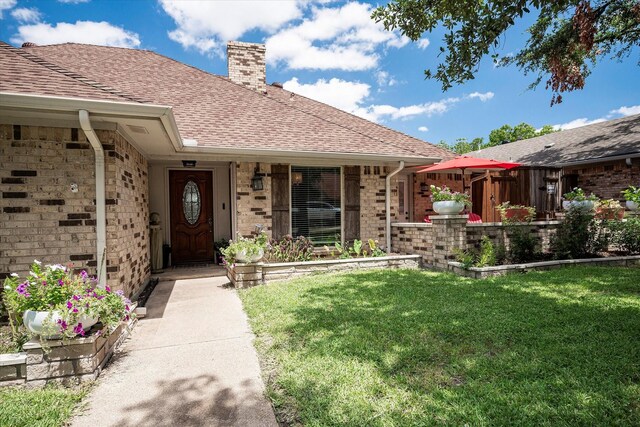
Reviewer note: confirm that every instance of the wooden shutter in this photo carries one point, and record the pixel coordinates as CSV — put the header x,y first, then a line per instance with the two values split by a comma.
x,y
280,200
351,203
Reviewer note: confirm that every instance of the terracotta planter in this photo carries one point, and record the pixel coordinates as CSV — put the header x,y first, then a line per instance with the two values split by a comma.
x,y
448,207
520,214
617,213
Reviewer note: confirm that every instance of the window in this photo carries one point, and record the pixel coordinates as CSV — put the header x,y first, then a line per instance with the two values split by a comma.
x,y
315,204
191,202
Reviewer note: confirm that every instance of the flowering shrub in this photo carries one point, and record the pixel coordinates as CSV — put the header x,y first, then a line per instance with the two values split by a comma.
x,y
289,249
632,194
55,289
444,194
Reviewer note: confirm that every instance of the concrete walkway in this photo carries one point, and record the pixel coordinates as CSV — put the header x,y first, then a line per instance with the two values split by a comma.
x,y
189,362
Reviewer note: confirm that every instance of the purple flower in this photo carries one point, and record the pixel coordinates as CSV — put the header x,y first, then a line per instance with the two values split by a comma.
x,y
84,275
76,297
22,288
63,325
61,282
78,329
108,289
120,292
69,305
126,307
75,310
44,283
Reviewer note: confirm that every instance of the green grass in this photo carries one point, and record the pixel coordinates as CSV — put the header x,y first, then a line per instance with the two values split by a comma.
x,y
48,407
403,348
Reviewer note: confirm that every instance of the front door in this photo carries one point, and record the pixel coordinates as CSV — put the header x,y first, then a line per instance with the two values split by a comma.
x,y
191,199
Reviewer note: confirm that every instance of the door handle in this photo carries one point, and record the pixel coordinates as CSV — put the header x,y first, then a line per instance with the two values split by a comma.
x,y
210,221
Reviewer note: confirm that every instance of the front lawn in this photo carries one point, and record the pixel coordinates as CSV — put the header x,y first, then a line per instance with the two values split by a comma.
x,y
399,348
48,407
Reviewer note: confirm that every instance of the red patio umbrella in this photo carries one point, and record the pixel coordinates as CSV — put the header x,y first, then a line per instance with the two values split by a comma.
x,y
468,163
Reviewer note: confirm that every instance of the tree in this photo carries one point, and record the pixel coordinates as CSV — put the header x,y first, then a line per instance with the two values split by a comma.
x,y
564,43
501,135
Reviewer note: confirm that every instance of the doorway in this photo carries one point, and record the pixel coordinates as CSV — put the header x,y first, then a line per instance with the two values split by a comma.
x,y
191,210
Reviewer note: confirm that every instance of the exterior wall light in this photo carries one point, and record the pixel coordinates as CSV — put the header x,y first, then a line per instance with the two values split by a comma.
x,y
296,178
189,163
256,181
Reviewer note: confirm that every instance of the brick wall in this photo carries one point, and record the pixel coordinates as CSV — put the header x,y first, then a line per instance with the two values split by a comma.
x,y
413,239
128,259
422,204
607,179
499,234
253,207
372,202
41,218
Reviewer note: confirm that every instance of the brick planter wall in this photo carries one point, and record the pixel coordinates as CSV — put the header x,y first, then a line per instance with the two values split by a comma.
x,y
248,275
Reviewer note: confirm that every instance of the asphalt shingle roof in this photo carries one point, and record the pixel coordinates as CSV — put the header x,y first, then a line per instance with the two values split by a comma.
x,y
597,141
208,108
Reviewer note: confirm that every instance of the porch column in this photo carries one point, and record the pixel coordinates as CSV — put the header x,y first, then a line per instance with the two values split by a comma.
x,y
449,233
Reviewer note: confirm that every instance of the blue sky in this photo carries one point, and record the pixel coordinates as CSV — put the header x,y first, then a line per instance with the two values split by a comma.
x,y
333,52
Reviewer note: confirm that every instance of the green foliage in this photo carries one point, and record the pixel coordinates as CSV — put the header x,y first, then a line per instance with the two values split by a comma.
x,y
503,208
51,406
358,249
580,235
498,136
444,194
523,245
578,195
419,348
251,246
632,194
484,257
626,234
565,41
289,249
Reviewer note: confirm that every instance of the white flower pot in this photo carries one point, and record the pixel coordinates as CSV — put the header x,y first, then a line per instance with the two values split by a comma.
x,y
586,205
33,321
448,207
242,256
632,206
566,204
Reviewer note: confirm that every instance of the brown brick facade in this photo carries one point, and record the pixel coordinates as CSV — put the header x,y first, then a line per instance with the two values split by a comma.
x,y
607,179
422,204
42,218
372,202
253,207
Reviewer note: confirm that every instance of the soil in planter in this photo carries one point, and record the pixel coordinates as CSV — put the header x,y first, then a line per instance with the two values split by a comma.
x,y
146,292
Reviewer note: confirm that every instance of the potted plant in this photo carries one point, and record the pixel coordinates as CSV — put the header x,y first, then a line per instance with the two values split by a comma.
x,y
516,213
609,209
447,202
577,198
52,302
632,196
218,246
245,250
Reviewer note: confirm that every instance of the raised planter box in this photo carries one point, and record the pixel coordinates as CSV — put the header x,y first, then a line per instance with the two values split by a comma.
x,y
247,275
499,270
71,362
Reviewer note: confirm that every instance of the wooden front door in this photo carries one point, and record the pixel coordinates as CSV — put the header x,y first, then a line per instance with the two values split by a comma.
x,y
191,201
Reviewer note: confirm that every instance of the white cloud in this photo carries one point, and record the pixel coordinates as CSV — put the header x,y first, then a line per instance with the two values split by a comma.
x,y
344,38
26,15
381,112
339,93
383,78
423,129
577,123
423,43
207,25
627,111
482,96
90,32
6,5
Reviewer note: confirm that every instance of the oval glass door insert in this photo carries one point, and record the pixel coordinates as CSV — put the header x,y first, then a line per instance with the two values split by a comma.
x,y
191,202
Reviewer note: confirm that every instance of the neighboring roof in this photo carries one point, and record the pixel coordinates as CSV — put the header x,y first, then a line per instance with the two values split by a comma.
x,y
599,141
211,109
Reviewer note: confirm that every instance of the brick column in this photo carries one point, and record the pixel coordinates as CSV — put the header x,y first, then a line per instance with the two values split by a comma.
x,y
449,233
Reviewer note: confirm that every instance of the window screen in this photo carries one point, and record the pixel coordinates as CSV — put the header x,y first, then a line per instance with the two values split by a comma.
x,y
315,204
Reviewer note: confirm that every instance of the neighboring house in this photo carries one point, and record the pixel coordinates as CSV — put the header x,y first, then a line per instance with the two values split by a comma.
x,y
93,139
602,158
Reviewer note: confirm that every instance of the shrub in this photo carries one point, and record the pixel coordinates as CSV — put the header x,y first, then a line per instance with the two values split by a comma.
x,y
523,245
289,249
579,235
626,234
632,194
251,246
487,256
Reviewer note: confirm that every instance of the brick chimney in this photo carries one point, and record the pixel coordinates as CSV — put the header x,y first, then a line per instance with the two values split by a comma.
x,y
246,65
